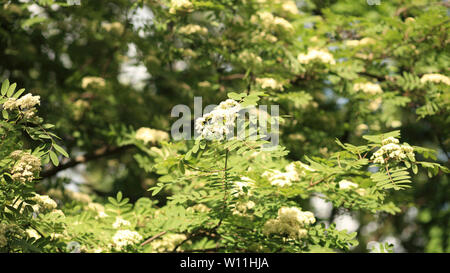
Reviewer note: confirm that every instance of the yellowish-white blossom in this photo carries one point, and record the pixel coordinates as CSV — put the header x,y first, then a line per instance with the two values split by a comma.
x,y
25,102
192,28
368,88
375,104
362,42
180,5
167,242
123,238
43,203
149,135
291,222
391,149
26,166
314,54
270,22
435,78
346,184
115,27
120,222
92,81
264,36
248,57
243,208
269,83
238,186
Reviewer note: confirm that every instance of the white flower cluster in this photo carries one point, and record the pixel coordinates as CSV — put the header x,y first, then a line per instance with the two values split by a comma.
x,y
168,242
264,36
116,27
26,167
151,135
349,185
269,83
6,231
239,186
316,54
32,233
435,78
220,121
43,203
375,104
291,221
126,237
26,104
93,81
242,208
282,179
288,6
248,57
198,208
191,29
362,42
99,208
120,222
271,22
176,5
346,184
392,150
368,88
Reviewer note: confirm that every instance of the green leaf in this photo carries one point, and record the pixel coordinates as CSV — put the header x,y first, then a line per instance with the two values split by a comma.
x,y
5,114
54,158
18,93
11,89
60,150
5,86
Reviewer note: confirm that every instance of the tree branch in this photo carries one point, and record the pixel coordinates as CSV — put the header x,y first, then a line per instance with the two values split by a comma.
x,y
99,153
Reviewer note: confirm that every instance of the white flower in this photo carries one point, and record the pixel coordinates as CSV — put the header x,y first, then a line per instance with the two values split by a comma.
x,y
242,208
389,140
168,242
316,55
435,78
43,203
191,29
32,233
271,22
264,36
368,88
291,221
392,150
120,222
151,135
269,83
26,167
290,7
278,178
126,237
240,185
345,185
116,27
93,81
375,104
364,41
219,122
176,5
248,57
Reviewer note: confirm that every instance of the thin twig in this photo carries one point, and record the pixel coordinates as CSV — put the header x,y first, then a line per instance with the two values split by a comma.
x,y
153,238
